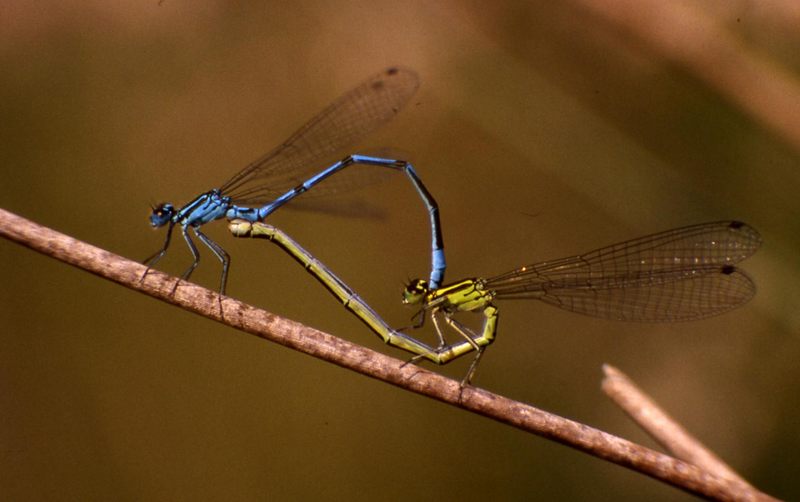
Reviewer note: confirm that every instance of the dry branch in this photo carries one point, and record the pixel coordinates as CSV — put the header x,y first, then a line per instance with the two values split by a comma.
x,y
294,335
662,427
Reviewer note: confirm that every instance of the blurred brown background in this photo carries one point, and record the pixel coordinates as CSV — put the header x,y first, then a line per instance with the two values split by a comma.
x,y
543,131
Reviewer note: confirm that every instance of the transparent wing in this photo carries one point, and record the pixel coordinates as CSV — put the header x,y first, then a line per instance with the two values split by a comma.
x,y
682,274
342,124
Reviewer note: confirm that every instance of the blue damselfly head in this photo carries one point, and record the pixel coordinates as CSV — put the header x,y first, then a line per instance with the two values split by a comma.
x,y
161,214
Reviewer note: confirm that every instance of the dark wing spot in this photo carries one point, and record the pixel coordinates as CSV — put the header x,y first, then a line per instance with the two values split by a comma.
x,y
392,71
736,225
728,269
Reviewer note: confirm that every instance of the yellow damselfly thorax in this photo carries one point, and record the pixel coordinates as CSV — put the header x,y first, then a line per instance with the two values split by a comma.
x,y
462,296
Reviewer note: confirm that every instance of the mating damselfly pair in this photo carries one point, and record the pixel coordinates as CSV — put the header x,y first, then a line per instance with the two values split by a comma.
x,y
683,274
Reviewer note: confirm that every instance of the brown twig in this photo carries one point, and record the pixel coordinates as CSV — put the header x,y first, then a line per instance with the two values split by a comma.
x,y
294,335
662,427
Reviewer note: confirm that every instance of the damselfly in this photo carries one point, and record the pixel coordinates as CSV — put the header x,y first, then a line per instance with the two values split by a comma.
x,y
682,274
285,172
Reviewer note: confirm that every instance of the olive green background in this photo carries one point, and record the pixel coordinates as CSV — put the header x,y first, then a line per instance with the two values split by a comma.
x,y
541,133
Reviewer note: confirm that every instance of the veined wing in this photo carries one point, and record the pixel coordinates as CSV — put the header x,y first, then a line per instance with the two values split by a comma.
x,y
343,123
681,274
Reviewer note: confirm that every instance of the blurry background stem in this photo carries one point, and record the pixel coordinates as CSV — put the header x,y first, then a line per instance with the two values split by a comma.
x,y
685,34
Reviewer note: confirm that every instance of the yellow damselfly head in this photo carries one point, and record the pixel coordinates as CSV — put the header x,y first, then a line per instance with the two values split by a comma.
x,y
415,291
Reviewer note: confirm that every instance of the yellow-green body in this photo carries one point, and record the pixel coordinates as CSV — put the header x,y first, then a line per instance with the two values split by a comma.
x,y
467,295
464,296
681,274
